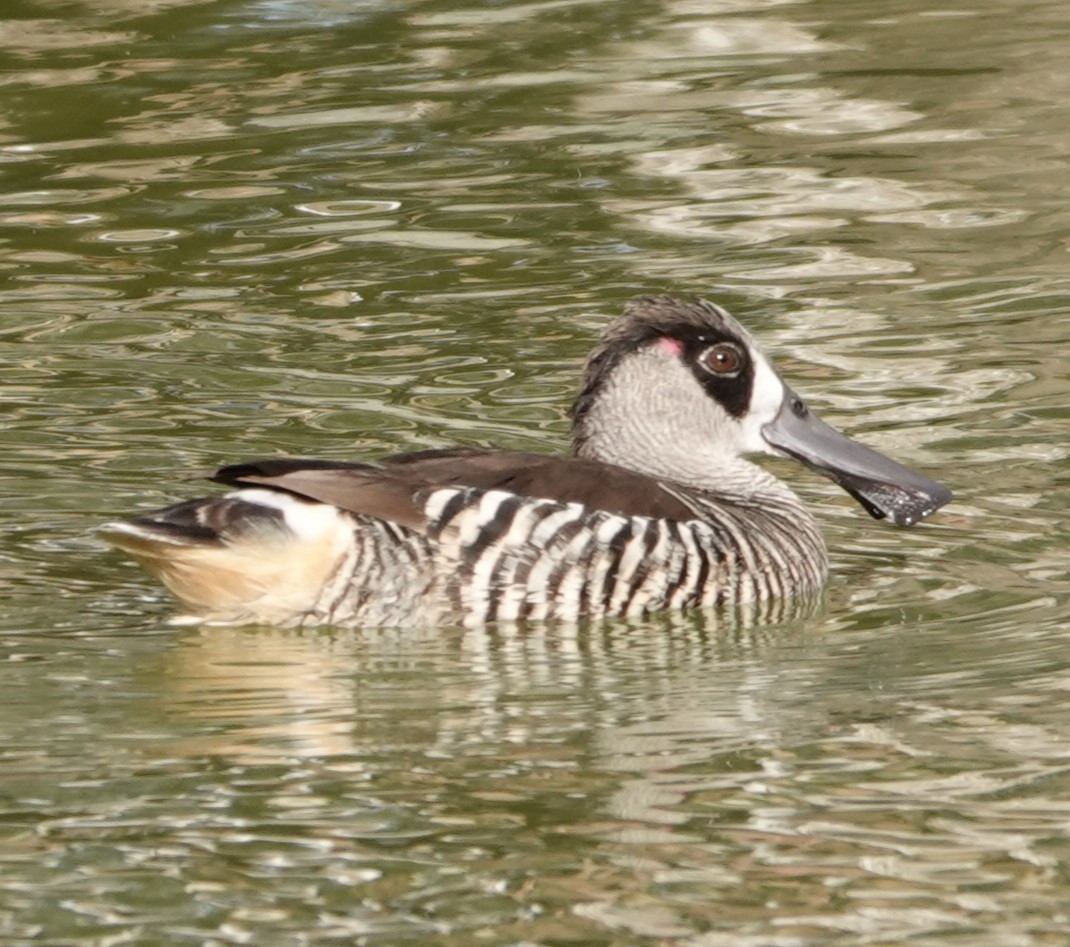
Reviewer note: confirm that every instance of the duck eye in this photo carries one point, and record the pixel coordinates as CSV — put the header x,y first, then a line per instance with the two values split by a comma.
x,y
722,359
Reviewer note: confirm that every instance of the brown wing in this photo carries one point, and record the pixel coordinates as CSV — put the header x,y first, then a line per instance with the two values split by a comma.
x,y
390,489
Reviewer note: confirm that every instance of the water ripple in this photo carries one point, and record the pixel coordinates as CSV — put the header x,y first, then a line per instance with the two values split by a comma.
x,y
348,229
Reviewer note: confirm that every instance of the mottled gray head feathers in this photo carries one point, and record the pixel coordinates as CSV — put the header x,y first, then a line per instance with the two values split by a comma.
x,y
694,323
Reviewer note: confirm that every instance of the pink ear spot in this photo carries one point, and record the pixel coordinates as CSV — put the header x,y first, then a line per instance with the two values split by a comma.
x,y
669,346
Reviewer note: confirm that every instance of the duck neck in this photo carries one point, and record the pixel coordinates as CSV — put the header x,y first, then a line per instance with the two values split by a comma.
x,y
642,417
734,479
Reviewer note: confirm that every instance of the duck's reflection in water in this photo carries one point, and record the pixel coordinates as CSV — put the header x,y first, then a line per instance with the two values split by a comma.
x,y
628,693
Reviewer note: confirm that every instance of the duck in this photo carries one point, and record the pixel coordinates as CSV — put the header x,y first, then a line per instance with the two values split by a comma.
x,y
660,504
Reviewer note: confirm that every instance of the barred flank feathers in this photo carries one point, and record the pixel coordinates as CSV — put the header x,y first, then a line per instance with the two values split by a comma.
x,y
498,556
486,555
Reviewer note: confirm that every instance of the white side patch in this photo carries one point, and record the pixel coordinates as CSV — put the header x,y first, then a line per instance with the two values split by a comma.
x,y
306,519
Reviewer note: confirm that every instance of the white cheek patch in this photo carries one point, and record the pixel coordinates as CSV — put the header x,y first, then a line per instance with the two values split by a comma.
x,y
767,395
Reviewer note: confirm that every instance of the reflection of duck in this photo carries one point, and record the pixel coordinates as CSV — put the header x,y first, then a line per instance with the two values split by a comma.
x,y
658,509
261,695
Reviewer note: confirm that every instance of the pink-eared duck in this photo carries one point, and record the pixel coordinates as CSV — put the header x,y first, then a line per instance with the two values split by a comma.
x,y
657,508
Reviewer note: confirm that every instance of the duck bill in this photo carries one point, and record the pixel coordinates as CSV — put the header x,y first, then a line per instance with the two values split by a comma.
x,y
883,487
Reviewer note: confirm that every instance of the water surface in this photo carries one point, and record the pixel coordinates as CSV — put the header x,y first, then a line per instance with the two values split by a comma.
x,y
240,229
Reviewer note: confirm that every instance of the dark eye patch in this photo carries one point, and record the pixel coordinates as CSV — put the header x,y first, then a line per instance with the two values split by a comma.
x,y
722,365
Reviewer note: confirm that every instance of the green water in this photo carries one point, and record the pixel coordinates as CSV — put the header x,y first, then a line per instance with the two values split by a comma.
x,y
344,227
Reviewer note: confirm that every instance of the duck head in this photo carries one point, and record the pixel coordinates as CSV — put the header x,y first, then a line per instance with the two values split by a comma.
x,y
680,390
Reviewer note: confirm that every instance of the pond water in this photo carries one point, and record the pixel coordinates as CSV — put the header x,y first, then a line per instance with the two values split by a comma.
x,y
244,228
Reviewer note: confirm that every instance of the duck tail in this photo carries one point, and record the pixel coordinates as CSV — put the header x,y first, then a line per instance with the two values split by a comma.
x,y
250,556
